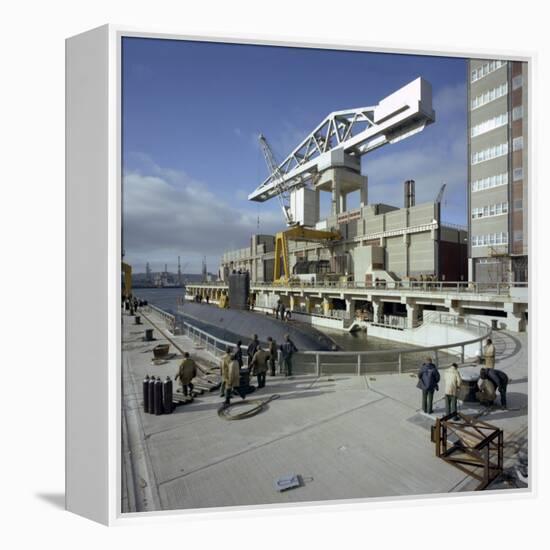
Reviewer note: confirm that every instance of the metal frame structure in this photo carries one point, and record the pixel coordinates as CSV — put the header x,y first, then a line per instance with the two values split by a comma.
x,y
297,233
478,449
355,132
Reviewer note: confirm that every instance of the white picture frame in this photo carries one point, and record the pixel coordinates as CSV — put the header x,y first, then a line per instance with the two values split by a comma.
x,y
93,252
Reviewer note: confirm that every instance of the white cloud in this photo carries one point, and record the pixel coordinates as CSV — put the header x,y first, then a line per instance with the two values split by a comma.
x,y
166,213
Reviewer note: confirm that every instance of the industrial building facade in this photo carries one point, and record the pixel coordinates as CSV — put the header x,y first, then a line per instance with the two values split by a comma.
x,y
497,170
379,242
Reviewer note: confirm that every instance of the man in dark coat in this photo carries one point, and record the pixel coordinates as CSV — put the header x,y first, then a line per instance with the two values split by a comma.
x,y
273,354
287,349
428,380
238,355
252,348
500,380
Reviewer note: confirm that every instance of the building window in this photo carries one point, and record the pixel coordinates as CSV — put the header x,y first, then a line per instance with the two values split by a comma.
x,y
517,112
489,182
517,82
487,68
518,173
518,235
490,210
517,143
491,124
489,95
518,204
490,239
490,153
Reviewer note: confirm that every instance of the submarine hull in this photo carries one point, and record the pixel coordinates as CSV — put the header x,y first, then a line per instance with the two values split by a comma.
x,y
232,325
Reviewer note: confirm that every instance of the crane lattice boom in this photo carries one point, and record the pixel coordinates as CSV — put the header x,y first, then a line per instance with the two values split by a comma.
x,y
355,132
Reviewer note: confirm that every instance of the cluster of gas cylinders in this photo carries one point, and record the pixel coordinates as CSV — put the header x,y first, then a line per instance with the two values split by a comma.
x,y
157,395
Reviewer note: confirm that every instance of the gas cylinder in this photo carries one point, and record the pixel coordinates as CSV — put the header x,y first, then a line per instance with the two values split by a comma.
x,y
151,392
167,405
146,394
158,396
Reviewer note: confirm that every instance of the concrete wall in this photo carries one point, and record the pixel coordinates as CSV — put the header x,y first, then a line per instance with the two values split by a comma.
x,y
422,214
396,255
318,321
365,259
421,254
429,335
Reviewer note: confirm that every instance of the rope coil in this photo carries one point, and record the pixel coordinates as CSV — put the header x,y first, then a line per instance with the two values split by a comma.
x,y
259,404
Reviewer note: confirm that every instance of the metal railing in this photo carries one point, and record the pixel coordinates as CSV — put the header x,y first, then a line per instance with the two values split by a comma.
x,y
319,363
396,360
213,345
168,318
458,287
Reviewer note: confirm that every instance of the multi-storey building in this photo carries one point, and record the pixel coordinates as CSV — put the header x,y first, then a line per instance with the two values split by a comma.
x,y
497,170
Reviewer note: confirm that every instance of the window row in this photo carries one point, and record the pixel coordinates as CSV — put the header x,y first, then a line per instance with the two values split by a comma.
x,y
489,95
490,239
491,124
491,181
487,68
490,153
490,210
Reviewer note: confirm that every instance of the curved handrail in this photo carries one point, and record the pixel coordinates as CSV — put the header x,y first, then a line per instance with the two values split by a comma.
x,y
354,357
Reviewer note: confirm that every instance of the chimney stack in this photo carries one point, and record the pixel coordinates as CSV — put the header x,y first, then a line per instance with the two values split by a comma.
x,y
409,194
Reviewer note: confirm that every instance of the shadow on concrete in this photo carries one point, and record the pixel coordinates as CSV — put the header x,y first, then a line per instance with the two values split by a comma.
x,y
518,380
57,500
198,406
516,346
517,406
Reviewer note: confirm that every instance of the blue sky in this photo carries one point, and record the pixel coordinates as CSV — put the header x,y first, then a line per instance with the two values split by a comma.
x,y
192,112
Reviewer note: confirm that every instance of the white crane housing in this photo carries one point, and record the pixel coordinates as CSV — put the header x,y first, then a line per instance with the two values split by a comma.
x,y
338,142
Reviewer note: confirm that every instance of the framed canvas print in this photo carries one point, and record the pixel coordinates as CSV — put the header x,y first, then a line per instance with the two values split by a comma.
x,y
296,273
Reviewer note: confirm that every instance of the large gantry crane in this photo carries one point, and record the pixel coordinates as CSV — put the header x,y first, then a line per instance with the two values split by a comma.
x,y
328,159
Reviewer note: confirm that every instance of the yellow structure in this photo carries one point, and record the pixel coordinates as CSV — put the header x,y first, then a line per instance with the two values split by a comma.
x,y
127,286
297,233
223,302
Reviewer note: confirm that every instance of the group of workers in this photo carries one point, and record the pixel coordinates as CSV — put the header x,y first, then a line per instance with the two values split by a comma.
x,y
490,380
131,304
260,361
281,312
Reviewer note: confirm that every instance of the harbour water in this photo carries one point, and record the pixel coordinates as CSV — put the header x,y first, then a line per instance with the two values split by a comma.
x,y
166,299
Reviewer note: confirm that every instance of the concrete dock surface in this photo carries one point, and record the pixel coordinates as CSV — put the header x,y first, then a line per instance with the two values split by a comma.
x,y
346,436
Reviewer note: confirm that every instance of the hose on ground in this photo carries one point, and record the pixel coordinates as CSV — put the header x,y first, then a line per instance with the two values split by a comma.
x,y
258,405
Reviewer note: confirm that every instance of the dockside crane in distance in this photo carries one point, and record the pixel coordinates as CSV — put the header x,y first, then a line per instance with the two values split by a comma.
x,y
276,177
